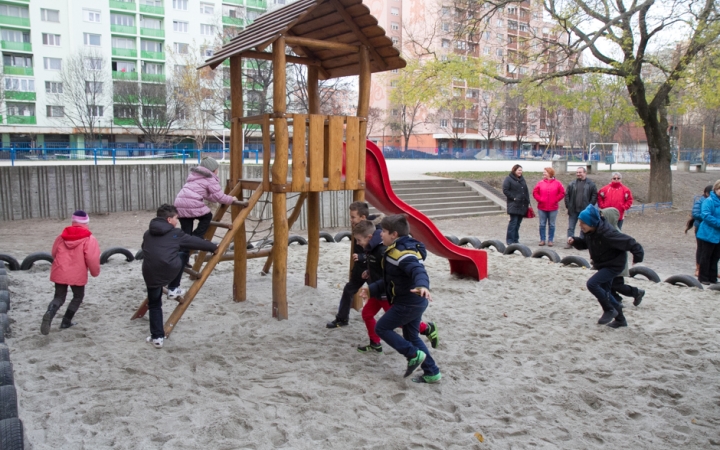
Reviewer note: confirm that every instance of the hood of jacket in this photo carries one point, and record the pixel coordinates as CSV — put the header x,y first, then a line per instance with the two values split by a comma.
x,y
408,243
376,219
74,234
160,226
612,215
199,172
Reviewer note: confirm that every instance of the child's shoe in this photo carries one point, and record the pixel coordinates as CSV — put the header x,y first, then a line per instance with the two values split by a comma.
x,y
157,343
618,323
639,297
429,379
175,293
432,334
414,363
47,319
607,317
372,347
336,323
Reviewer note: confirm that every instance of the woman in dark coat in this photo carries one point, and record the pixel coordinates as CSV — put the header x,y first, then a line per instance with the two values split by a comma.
x,y
518,200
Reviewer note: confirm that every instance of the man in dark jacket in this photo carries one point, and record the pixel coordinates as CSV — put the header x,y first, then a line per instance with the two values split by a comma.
x,y
578,195
608,250
162,262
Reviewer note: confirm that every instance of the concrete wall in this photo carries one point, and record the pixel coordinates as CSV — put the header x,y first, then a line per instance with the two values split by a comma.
x,y
29,192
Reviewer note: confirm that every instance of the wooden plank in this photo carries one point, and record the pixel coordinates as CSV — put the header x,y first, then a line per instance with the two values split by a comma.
x,y
355,29
335,140
316,136
299,159
252,54
266,152
352,152
314,43
239,287
313,224
362,111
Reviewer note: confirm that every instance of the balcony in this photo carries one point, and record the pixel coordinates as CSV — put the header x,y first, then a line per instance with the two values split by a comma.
x,y
15,22
125,6
123,29
19,95
259,4
152,55
125,76
123,122
21,120
124,52
234,2
153,77
14,70
233,21
16,46
155,10
154,32
125,98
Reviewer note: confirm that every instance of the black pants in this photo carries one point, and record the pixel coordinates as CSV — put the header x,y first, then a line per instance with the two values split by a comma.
x,y
157,329
350,289
61,294
619,287
186,225
709,256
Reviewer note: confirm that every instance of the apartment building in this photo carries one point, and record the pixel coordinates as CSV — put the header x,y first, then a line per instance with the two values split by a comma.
x,y
131,40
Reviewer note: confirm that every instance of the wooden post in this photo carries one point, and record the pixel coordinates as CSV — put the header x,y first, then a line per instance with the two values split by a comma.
x,y
279,180
313,200
236,169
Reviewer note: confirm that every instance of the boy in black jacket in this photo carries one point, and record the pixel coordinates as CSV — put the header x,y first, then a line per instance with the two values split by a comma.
x,y
406,285
161,263
608,249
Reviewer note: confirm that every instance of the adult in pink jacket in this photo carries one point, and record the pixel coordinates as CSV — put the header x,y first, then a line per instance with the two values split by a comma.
x,y
74,252
548,193
615,195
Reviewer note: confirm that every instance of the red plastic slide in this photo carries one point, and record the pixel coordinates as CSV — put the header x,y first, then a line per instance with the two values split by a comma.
x,y
466,262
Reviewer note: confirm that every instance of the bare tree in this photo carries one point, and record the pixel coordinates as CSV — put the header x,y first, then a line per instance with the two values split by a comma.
x,y
154,108
375,120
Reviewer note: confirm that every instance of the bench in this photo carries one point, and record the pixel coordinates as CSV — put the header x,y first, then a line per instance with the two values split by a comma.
x,y
684,166
561,165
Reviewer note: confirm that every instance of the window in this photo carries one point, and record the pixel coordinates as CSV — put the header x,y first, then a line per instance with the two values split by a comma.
x,y
48,39
15,35
472,93
180,27
53,87
207,30
523,13
93,87
122,19
182,49
91,15
91,39
395,40
457,92
20,109
207,8
486,50
180,4
121,42
394,26
500,23
512,10
93,63
394,11
157,3
486,35
445,43
153,24
512,25
460,45
179,69
523,27
445,26
14,11
499,52
151,68
19,84
123,66
207,51
17,60
151,46
443,123
394,112
394,83
55,111
52,63
458,123
95,110
47,15
124,112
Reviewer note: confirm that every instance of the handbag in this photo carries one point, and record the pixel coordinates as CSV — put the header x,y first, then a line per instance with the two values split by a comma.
x,y
530,214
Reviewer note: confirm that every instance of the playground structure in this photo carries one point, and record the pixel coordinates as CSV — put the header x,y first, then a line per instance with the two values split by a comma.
x,y
333,38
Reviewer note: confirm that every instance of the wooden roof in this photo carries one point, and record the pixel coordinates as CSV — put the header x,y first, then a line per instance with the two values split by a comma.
x,y
339,21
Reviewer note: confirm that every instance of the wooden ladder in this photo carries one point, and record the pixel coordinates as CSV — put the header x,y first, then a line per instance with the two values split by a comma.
x,y
202,275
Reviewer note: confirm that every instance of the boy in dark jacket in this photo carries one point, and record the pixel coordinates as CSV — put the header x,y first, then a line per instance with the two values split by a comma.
x,y
161,245
607,247
369,235
406,285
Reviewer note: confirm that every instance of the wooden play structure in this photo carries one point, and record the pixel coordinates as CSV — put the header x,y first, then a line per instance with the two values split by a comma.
x,y
333,38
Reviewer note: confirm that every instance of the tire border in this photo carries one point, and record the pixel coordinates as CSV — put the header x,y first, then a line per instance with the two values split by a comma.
x,y
686,280
524,250
32,258
129,257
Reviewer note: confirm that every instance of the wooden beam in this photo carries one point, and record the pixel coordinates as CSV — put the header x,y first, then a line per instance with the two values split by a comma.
x,y
360,35
313,200
239,286
309,54
315,43
291,59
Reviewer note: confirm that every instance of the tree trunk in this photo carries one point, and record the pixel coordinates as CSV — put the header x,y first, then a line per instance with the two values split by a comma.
x,y
660,189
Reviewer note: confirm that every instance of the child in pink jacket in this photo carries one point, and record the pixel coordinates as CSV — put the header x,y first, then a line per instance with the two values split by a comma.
x,y
74,252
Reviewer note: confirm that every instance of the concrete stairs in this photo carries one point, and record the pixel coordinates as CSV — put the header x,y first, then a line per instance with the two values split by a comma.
x,y
447,198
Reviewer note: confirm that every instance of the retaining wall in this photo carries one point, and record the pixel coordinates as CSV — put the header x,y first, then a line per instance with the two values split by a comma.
x,y
29,192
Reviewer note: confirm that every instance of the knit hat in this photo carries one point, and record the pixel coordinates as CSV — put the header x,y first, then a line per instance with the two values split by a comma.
x,y
80,216
590,216
209,163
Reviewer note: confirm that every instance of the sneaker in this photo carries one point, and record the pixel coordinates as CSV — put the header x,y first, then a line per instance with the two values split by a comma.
x,y
371,347
567,246
157,343
414,363
617,323
607,317
639,297
47,320
429,379
432,334
336,324
175,293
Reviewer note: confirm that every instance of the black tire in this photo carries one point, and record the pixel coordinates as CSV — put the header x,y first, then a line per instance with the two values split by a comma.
x,y
116,251
686,280
646,272
523,249
452,238
6,373
4,352
575,260
8,402
4,324
475,242
342,235
714,287
32,258
10,262
140,255
5,297
3,308
499,246
549,254
2,270
299,239
3,283
327,236
11,434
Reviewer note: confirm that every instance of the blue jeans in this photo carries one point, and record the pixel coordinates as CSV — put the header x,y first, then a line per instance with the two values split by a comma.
x,y
549,218
407,316
157,329
600,285
513,229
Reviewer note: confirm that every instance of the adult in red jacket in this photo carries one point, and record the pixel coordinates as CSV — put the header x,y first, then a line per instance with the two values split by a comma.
x,y
615,195
548,193
74,252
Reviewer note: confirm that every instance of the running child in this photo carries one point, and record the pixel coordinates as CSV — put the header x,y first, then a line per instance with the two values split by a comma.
x,y
612,215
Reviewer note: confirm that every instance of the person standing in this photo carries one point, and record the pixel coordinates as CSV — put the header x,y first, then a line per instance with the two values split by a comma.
x,y
518,199
548,193
615,195
708,236
579,194
694,222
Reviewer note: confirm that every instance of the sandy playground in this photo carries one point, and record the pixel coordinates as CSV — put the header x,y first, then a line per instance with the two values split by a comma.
x,y
524,362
